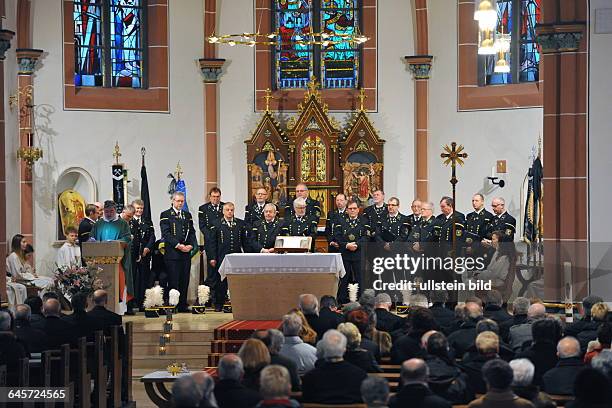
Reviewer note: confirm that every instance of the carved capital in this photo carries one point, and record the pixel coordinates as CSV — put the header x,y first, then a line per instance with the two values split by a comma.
x,y
211,69
5,42
419,65
27,58
556,38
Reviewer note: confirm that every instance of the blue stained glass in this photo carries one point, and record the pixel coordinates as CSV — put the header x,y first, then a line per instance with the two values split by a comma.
x,y
530,53
294,61
504,25
339,62
88,65
126,43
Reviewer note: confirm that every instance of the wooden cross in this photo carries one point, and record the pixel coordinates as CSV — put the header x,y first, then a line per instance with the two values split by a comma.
x,y
362,98
117,153
267,98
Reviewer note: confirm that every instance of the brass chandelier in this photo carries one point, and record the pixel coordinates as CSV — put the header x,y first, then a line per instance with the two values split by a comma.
x,y
325,39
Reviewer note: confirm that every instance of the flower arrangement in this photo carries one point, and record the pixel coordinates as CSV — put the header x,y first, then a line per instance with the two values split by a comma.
x,y
72,279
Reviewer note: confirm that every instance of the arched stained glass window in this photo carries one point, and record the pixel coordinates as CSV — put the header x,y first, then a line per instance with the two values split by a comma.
x,y
517,20
335,65
109,43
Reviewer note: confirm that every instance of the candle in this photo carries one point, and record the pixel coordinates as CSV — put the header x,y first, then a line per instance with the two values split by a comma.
x,y
493,171
30,144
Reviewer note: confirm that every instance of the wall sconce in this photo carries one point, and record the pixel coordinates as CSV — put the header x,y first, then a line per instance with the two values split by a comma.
x,y
500,183
29,154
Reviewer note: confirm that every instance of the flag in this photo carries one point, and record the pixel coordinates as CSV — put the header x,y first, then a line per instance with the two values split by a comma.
x,y
144,193
119,176
180,186
533,226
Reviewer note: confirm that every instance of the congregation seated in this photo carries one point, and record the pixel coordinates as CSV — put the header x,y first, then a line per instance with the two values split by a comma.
x,y
85,324
35,303
255,356
354,354
104,319
276,388
523,386
443,315
494,309
57,330
543,350
520,335
376,342
420,321
229,391
599,316
603,363
414,390
322,318
499,376
307,333
304,355
274,340
560,379
385,320
463,338
603,342
11,349
194,391
34,339
375,392
333,380
445,378
585,322
487,346
505,351
520,306
591,389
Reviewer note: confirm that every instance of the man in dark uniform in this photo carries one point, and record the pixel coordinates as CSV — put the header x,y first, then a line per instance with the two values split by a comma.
x,y
502,221
179,238
85,226
333,218
415,217
229,235
313,207
264,233
300,223
450,222
424,235
351,234
142,248
395,227
208,215
254,212
477,224
377,212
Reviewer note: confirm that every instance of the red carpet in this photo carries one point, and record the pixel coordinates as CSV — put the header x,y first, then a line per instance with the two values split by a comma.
x,y
230,336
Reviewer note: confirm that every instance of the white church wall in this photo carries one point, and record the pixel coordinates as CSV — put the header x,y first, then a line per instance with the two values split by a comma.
x,y
488,136
600,159
394,118
86,139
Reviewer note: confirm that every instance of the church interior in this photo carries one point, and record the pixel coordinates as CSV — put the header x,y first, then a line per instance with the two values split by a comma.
x,y
194,195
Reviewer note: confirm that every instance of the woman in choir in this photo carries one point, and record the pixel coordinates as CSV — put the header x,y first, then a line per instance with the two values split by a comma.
x,y
16,291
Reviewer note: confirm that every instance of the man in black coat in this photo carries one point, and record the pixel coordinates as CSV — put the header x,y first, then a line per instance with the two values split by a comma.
x,y
329,315
543,351
443,315
180,240
494,309
229,391
228,236
477,226
34,339
103,317
142,250
254,212
394,227
208,215
520,306
264,232
414,391
487,346
333,218
313,207
385,320
377,212
560,379
502,221
300,223
85,226
57,330
274,339
463,338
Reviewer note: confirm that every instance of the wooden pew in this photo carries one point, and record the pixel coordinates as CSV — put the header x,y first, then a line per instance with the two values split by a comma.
x,y
127,356
115,367
100,373
55,371
80,375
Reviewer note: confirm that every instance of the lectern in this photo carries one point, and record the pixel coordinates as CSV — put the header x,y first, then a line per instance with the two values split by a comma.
x,y
107,256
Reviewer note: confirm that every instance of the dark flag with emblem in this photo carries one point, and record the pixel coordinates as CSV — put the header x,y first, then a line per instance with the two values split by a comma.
x,y
533,206
144,190
119,177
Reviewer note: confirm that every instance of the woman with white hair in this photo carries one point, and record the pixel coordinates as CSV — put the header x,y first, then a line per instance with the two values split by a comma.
x,y
523,386
354,354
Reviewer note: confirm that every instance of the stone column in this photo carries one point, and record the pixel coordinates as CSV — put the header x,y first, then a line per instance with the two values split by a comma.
x,y
420,66
5,43
562,36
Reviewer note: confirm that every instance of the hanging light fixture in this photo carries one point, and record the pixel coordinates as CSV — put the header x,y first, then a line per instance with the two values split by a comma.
x,y
502,46
486,15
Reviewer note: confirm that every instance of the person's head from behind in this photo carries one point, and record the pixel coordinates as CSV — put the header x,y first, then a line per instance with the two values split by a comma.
x,y
254,354
536,311
35,304
52,308
6,321
351,332
494,298
100,297
23,313
206,384
309,304
291,325
186,393
383,301
568,347
332,346
274,382
592,387
520,306
230,368
437,345
473,311
276,341
487,325
487,343
414,370
599,312
375,391
360,319
438,297
588,302
72,234
523,371
497,374
79,302
49,295
422,320
329,302
546,330
603,363
604,334
368,299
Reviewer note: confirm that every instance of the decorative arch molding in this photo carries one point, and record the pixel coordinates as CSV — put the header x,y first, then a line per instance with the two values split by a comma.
x,y
80,173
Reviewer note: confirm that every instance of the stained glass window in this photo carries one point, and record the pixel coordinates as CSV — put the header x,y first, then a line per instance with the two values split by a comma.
x,y
109,44
516,19
335,65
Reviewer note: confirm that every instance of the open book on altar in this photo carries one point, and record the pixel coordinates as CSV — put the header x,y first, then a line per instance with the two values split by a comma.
x,y
292,244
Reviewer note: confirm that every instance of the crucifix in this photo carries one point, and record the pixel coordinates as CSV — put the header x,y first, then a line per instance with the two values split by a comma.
x,y
453,155
267,98
117,153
